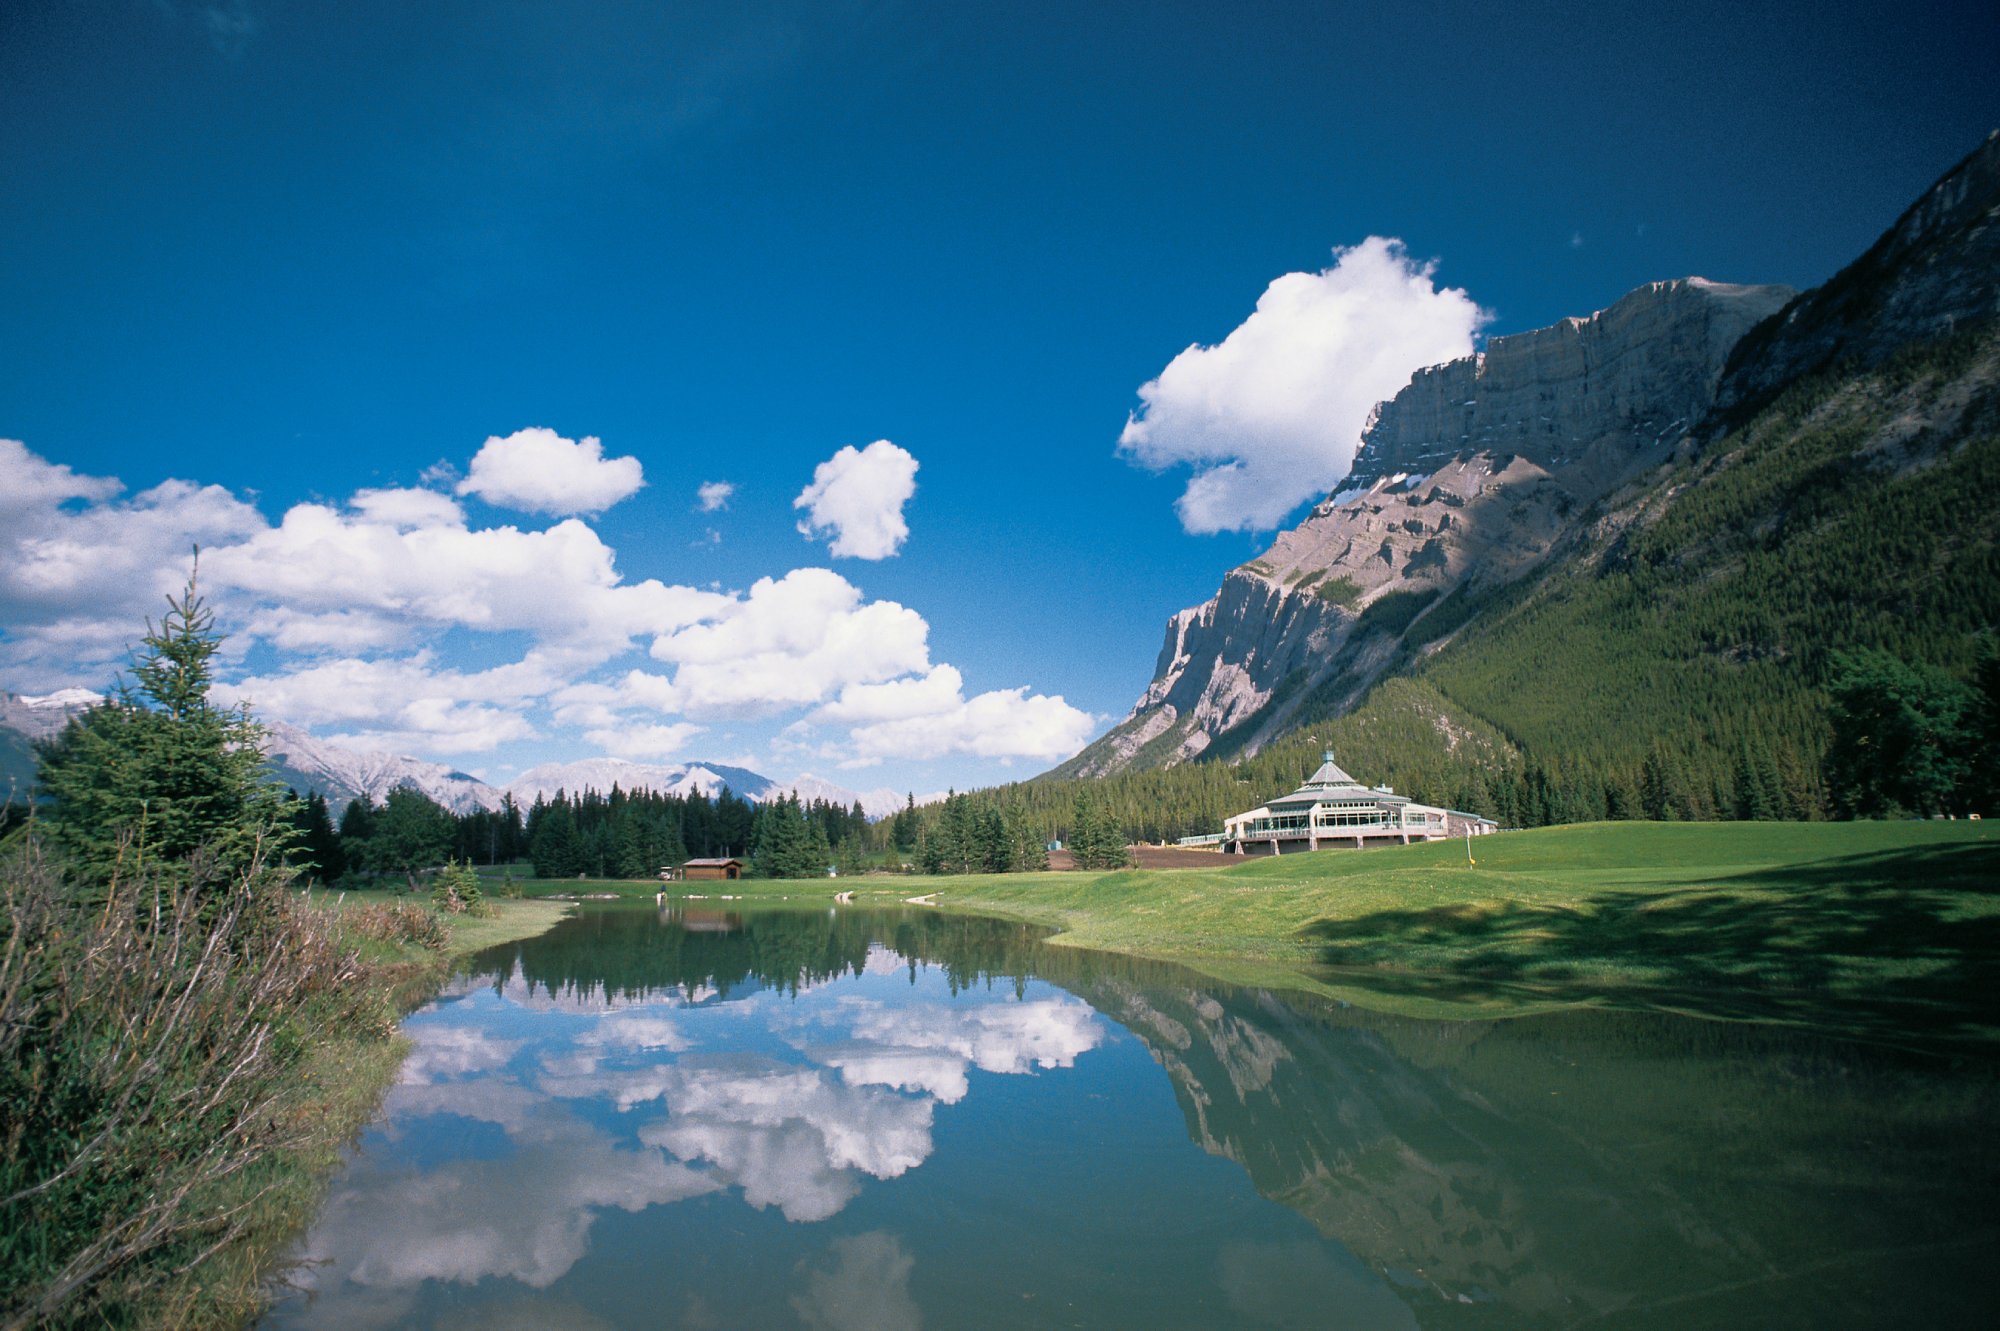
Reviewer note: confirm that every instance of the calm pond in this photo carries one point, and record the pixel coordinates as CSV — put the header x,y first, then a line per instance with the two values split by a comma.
x,y
804,1118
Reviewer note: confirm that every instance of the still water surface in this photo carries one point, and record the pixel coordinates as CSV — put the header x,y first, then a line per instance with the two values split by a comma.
x,y
802,1118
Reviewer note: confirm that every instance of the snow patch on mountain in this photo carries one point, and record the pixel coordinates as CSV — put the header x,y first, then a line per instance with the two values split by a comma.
x,y
306,762
44,716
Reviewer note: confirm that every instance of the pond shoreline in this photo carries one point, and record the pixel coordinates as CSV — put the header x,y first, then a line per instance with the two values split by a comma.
x,y
342,1081
620,1085
1426,935
1876,931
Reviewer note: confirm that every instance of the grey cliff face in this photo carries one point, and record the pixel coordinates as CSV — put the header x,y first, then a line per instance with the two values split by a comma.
x,y
1604,391
1467,477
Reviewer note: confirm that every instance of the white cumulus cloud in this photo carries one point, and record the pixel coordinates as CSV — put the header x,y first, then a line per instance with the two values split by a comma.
x,y
1272,415
857,497
33,482
629,741
81,568
714,495
1000,723
391,620
538,471
404,703
792,641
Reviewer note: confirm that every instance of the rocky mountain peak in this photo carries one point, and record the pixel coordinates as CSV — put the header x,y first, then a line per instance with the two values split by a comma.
x,y
1607,390
1467,477
43,716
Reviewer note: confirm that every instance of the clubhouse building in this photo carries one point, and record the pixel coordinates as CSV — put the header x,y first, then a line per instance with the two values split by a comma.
x,y
1333,810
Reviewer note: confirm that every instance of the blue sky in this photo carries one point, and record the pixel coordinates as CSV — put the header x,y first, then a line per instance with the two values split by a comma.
x,y
290,254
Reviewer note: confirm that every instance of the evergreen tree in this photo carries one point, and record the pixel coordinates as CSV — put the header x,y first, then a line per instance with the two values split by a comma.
x,y
1030,847
1983,790
357,824
598,847
785,845
554,846
1660,781
818,857
413,832
993,849
159,771
671,849
316,851
510,841
633,849
1095,842
732,823
907,823
1903,736
1621,796
1756,797
929,856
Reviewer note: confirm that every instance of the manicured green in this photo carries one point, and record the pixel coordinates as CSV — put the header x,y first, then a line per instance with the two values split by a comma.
x,y
1876,928
1884,929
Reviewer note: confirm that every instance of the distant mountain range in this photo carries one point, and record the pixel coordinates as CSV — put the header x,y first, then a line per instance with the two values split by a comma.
x,y
307,763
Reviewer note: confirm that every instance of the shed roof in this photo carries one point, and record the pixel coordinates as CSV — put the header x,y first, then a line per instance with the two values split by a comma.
x,y
710,863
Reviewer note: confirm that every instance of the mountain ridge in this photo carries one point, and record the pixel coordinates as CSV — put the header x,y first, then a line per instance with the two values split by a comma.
x,y
1685,593
1467,477
340,774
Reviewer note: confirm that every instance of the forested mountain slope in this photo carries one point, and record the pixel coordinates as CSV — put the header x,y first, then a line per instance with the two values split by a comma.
x,y
1642,612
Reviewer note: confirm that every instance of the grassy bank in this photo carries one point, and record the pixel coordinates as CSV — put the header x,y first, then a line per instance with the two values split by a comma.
x,y
1889,929
510,919
181,1070
339,1083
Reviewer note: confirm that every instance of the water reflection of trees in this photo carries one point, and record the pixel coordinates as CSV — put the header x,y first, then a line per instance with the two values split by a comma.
x,y
625,955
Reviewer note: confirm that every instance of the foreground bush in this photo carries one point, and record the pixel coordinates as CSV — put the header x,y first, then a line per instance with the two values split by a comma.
x,y
149,1047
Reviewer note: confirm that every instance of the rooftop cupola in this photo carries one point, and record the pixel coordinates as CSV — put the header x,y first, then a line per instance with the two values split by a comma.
x,y
1329,774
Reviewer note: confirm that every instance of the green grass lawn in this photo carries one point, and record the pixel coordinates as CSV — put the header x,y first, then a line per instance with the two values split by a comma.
x,y
512,918
1881,929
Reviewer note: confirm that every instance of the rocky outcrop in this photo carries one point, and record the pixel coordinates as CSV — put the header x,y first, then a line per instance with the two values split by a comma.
x,y
1466,478
1936,271
1588,396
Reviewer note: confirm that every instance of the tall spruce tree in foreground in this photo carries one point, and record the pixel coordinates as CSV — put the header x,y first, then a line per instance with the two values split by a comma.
x,y
159,989
158,771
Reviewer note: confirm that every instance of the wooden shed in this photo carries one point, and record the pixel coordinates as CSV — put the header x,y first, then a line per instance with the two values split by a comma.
x,y
696,871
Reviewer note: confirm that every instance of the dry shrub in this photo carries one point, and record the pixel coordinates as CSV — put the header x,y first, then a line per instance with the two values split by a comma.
x,y
147,1045
396,922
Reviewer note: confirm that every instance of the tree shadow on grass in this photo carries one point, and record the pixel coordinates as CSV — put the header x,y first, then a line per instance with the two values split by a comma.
x,y
1889,945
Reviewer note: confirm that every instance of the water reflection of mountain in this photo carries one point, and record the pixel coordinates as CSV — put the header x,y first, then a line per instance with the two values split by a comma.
x,y
1641,1171
1602,1167
622,955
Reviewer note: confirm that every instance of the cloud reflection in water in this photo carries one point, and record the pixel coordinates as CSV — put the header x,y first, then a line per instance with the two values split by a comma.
x,y
603,1102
